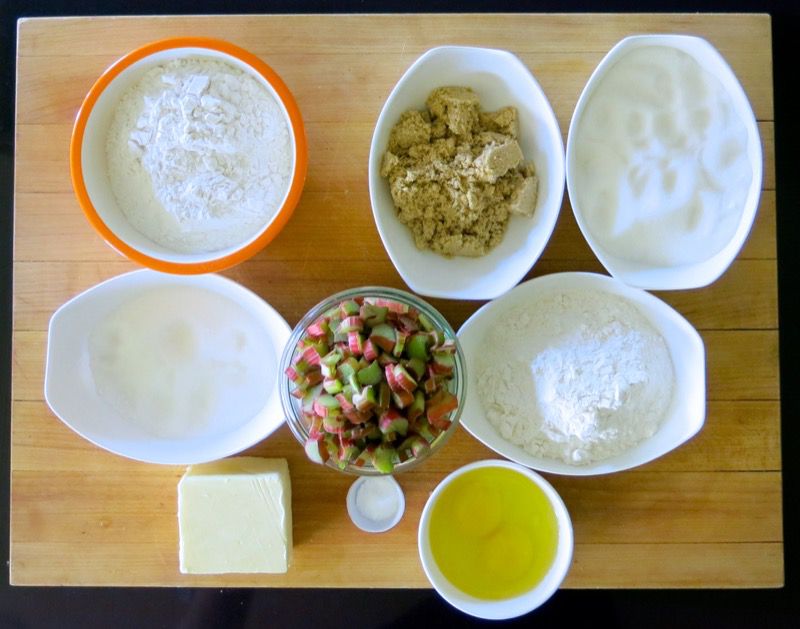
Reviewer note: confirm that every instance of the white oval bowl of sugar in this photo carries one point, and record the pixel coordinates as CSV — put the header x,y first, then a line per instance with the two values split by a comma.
x,y
166,369
500,79
664,162
551,333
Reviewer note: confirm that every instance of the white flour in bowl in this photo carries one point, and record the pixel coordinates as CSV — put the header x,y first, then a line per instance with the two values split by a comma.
x,y
579,376
199,155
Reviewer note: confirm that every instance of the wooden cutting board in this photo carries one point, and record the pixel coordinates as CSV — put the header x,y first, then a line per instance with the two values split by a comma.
x,y
706,515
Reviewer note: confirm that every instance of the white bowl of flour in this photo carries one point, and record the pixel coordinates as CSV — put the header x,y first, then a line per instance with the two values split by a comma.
x,y
188,155
580,374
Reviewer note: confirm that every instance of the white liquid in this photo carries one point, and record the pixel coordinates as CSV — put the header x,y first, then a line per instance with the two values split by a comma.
x,y
661,162
180,361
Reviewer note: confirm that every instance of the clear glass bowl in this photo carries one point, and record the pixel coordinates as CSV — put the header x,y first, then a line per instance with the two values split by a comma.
x,y
457,385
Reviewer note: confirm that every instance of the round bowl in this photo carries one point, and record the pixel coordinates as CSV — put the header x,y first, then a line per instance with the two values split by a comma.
x,y
683,418
684,276
71,390
499,78
88,155
292,406
509,607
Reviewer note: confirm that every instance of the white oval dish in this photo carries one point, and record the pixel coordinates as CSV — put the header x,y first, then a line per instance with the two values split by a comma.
x,y
651,276
70,390
500,79
684,417
512,607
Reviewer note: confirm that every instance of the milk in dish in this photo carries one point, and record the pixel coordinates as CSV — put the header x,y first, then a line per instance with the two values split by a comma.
x,y
661,165
179,361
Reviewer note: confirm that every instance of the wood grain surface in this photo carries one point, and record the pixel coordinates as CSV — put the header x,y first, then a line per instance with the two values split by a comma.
x,y
705,515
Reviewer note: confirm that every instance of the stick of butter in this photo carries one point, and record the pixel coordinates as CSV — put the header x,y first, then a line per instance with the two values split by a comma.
x,y
235,515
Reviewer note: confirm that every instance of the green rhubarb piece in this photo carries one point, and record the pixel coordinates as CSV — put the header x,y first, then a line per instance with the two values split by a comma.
x,y
372,314
425,322
443,362
332,385
316,450
384,396
384,336
334,423
371,374
400,343
348,308
383,457
366,399
393,422
416,367
403,378
348,367
417,407
417,346
332,358
412,446
348,452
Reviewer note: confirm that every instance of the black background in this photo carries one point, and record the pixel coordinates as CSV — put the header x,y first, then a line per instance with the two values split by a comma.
x,y
356,609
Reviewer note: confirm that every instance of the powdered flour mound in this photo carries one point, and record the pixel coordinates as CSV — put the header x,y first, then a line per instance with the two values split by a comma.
x,y
579,376
199,155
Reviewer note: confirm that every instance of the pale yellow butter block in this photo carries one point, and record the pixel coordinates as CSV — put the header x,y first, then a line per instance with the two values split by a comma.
x,y
235,515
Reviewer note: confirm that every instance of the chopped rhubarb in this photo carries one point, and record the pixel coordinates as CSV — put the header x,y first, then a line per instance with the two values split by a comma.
x,y
403,378
334,423
370,350
350,324
372,379
417,346
384,336
400,343
371,374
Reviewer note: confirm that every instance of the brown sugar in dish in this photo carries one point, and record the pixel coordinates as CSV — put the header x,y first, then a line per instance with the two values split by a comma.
x,y
457,173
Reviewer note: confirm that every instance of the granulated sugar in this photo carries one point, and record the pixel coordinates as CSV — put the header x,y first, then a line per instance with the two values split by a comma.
x,y
579,376
199,155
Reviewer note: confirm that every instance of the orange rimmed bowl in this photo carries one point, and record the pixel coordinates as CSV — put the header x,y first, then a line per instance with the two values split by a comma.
x,y
88,163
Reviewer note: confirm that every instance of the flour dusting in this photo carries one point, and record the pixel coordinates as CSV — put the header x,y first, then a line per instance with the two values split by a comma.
x,y
579,376
199,155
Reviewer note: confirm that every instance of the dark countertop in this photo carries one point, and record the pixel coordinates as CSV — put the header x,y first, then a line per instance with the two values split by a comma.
x,y
189,608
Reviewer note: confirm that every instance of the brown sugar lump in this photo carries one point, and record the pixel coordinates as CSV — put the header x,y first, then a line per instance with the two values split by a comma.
x,y
457,173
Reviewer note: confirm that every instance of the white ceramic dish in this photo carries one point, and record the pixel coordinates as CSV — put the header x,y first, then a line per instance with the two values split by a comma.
x,y
70,390
512,607
700,274
88,154
362,520
500,79
684,417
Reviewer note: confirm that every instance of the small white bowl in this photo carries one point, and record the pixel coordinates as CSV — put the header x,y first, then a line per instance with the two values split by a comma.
x,y
392,492
500,79
70,391
684,417
651,276
504,608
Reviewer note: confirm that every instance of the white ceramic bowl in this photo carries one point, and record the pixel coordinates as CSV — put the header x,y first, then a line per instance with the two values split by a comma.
x,y
651,276
505,608
500,79
70,391
684,417
88,155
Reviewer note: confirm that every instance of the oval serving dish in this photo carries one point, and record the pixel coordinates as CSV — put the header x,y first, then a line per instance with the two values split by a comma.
x,y
683,418
71,393
500,79
671,277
